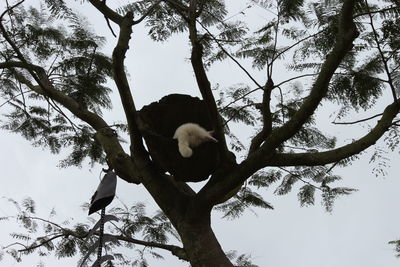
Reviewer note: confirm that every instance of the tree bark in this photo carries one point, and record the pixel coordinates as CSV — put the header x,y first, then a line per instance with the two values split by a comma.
x,y
200,243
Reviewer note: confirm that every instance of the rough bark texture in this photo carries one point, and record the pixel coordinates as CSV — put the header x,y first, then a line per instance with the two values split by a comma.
x,y
200,243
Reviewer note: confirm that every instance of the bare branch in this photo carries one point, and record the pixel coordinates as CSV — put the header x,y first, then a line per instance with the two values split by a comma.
x,y
109,26
237,112
335,155
357,121
297,43
203,82
295,78
270,65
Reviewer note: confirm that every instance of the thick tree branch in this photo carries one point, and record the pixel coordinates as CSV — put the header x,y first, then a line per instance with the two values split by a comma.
x,y
46,88
202,80
163,189
335,155
121,81
168,194
267,118
106,11
345,37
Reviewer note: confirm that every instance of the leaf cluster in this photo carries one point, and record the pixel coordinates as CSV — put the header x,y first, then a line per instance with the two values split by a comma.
x,y
396,243
76,68
242,260
45,236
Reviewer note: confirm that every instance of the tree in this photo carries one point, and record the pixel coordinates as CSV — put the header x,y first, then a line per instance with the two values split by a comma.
x,y
54,80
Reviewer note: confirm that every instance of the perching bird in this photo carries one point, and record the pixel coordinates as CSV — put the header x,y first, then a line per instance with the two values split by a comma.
x,y
191,135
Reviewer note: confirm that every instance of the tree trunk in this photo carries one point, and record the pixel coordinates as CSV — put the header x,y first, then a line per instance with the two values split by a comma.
x,y
200,243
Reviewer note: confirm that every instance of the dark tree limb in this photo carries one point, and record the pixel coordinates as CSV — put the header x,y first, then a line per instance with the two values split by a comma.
x,y
267,117
166,192
357,121
121,81
107,12
335,155
345,37
9,8
202,79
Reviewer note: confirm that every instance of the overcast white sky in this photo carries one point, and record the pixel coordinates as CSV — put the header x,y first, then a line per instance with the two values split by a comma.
x,y
354,235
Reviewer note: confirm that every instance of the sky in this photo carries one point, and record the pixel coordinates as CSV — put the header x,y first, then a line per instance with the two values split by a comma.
x,y
355,234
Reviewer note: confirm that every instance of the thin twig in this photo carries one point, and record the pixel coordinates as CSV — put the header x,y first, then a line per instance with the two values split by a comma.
x,y
241,97
384,61
295,78
13,97
357,121
394,7
9,9
298,177
271,64
41,244
237,112
54,105
229,55
297,43
109,26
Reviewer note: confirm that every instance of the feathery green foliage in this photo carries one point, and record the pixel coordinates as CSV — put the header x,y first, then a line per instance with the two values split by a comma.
x,y
295,36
